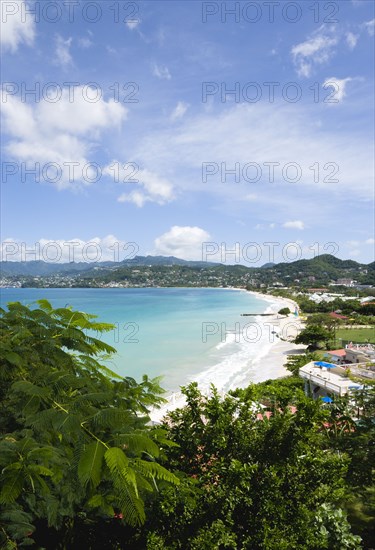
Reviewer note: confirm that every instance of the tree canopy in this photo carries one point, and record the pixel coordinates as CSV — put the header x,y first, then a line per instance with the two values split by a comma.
x,y
266,467
313,335
255,478
73,433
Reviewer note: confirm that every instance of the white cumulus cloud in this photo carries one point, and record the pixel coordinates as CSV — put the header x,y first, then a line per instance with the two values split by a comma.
x,y
316,50
150,187
59,134
338,86
16,25
183,242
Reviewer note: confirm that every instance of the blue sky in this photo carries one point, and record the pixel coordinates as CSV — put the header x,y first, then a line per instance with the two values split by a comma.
x,y
169,124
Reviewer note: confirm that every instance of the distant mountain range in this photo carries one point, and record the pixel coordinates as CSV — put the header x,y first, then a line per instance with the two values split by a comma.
x,y
44,269
320,269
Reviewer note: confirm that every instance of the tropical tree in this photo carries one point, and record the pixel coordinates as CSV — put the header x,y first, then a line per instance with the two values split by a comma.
x,y
74,441
356,438
313,335
253,478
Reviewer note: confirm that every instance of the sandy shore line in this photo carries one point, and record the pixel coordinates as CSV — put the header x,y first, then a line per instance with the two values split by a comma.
x,y
266,365
271,365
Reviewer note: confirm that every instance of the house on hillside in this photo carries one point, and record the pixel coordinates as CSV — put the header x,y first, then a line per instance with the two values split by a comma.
x,y
353,353
359,354
337,355
345,282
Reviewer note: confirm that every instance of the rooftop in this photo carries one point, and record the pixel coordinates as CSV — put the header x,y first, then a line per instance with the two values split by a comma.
x,y
333,379
337,352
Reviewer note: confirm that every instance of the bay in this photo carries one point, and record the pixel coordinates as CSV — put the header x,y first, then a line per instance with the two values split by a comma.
x,y
181,334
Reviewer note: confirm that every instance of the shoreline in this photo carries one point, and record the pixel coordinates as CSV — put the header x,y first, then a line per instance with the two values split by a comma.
x,y
269,361
245,358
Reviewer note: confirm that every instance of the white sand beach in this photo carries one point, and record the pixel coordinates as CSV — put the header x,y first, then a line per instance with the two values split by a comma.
x,y
271,364
267,364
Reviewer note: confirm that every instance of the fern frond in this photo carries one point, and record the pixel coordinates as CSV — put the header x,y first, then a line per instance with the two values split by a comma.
x,y
43,420
110,417
90,464
93,397
13,358
132,507
161,436
137,444
52,508
40,470
154,470
17,525
116,459
31,389
122,475
44,305
12,484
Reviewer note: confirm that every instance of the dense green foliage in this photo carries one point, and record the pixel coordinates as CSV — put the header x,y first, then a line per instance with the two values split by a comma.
x,y
257,479
264,468
73,434
323,269
350,308
313,336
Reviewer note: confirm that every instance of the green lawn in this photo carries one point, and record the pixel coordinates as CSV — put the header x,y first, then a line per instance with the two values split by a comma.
x,y
356,335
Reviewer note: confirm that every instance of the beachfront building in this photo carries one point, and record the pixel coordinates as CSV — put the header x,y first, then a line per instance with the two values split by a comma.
x,y
337,355
352,353
345,282
359,353
324,379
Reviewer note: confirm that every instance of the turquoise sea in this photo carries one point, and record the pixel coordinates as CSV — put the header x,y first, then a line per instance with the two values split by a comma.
x,y
182,334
